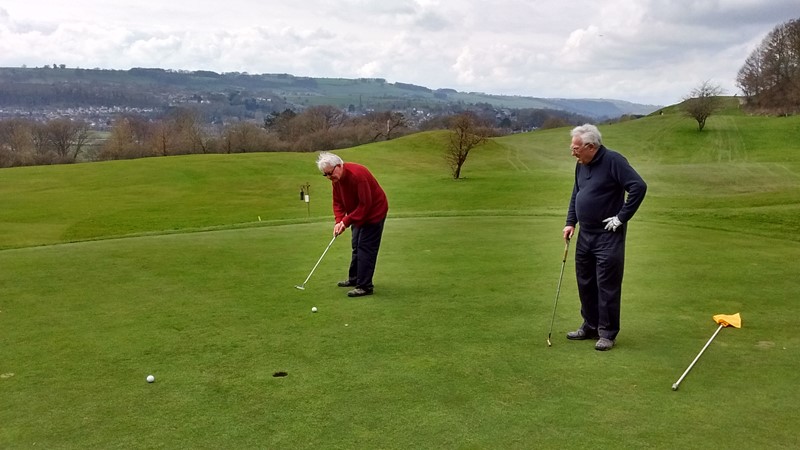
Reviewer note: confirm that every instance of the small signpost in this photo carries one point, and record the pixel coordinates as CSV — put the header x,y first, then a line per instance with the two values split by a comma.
x,y
305,189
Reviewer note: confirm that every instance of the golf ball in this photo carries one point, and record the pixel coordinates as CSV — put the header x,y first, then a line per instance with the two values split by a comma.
x,y
151,378
313,309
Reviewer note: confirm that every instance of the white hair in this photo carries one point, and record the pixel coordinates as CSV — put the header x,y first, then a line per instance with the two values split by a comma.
x,y
327,160
588,134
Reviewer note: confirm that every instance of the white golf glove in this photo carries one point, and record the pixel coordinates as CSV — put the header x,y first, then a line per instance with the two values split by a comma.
x,y
612,223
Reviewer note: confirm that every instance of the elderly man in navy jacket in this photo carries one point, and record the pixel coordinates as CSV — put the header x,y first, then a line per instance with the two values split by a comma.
x,y
601,209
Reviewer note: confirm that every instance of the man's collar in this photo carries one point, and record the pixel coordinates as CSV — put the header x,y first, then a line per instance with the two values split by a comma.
x,y
598,154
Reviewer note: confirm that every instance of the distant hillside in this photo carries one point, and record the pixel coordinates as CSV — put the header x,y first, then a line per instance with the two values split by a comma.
x,y
60,87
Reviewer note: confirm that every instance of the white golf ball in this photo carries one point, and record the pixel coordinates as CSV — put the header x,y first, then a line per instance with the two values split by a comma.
x,y
313,309
151,378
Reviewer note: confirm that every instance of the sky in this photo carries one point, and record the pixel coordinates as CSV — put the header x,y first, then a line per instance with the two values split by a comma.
x,y
643,51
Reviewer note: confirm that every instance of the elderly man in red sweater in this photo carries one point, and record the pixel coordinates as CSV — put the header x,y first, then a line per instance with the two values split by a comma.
x,y
360,203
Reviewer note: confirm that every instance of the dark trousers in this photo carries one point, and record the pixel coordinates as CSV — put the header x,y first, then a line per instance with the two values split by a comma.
x,y
366,242
599,265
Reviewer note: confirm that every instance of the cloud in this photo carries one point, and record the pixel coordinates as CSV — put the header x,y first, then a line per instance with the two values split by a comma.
x,y
647,51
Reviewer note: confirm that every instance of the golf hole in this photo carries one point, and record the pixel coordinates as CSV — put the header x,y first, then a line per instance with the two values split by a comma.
x,y
279,374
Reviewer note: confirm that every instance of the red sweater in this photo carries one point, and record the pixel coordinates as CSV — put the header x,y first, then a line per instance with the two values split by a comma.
x,y
357,197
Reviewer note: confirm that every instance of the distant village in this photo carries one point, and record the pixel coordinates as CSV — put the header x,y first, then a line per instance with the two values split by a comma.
x,y
99,118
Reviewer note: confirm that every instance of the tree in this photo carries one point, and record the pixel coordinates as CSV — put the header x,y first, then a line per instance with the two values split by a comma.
x,y
320,118
770,76
395,121
702,102
384,124
283,125
128,139
243,137
16,142
162,139
41,148
66,138
185,127
465,135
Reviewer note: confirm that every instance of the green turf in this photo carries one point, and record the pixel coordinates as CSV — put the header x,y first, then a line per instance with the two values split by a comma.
x,y
113,271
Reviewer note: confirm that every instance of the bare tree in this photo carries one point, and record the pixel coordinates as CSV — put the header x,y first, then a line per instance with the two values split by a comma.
x,y
185,124
465,135
42,150
395,122
129,138
315,119
386,123
16,142
179,133
163,139
750,78
770,77
226,139
383,125
243,137
66,138
702,102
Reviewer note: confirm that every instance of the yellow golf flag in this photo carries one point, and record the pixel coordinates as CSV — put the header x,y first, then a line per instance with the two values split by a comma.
x,y
723,320
729,320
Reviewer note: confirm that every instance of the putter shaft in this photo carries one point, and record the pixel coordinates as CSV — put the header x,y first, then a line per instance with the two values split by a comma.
x,y
303,286
558,291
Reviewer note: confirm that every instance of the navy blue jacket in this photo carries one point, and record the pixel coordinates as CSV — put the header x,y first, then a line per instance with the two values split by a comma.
x,y
599,191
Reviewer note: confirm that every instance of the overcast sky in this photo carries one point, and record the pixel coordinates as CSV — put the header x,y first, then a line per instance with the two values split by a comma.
x,y
643,51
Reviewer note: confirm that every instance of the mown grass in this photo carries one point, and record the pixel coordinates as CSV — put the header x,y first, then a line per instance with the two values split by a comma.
x,y
112,271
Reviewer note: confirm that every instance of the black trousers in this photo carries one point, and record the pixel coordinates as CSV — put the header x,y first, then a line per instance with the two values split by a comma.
x,y
599,266
366,242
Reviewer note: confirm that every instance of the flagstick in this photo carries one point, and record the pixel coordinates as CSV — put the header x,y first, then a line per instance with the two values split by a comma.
x,y
675,386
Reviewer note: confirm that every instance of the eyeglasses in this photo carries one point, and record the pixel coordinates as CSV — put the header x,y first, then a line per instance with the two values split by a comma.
x,y
578,148
328,174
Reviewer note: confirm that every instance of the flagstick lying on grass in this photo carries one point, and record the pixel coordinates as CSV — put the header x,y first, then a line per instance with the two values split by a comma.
x,y
723,320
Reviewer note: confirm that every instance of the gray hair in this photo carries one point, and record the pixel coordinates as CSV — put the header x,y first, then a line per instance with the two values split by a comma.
x,y
327,160
588,134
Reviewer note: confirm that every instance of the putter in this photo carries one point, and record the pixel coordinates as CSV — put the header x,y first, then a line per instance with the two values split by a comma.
x,y
558,291
302,287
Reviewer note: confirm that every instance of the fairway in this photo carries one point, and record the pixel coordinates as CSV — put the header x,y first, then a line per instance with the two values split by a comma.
x,y
450,352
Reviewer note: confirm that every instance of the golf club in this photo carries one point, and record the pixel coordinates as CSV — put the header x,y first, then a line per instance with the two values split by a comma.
x,y
558,291
302,287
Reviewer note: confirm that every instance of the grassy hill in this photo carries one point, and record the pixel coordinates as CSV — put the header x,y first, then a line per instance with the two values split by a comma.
x,y
740,172
184,268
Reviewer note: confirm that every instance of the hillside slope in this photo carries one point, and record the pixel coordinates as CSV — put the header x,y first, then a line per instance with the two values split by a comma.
x,y
740,174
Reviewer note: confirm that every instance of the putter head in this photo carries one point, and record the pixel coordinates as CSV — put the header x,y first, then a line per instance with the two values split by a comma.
x,y
300,287
548,343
